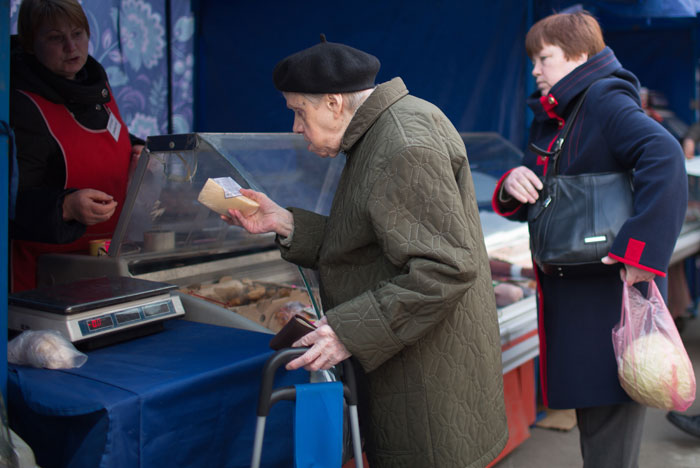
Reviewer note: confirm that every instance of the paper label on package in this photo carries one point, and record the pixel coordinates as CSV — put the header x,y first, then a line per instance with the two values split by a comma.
x,y
230,186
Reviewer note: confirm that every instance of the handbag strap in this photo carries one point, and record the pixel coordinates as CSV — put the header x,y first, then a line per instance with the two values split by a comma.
x,y
559,143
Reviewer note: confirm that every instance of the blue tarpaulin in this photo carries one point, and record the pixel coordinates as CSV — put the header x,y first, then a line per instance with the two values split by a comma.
x,y
651,8
468,58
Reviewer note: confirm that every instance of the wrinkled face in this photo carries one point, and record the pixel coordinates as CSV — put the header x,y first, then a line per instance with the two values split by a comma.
x,y
550,65
318,123
61,47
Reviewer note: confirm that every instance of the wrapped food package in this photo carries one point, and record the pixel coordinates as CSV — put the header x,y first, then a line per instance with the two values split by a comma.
x,y
223,194
44,348
655,372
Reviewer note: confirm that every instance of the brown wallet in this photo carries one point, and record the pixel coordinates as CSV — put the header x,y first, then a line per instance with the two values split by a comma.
x,y
297,327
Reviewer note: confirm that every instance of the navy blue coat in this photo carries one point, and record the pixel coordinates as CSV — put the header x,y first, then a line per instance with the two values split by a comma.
x,y
610,133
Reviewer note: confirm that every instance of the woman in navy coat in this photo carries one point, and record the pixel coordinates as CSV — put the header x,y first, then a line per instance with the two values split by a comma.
x,y
610,134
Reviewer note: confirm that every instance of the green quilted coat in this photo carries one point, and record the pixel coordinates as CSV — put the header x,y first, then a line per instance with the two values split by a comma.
x,y
406,285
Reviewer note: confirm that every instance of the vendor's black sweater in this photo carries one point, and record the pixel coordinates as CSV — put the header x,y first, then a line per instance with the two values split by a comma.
x,y
42,172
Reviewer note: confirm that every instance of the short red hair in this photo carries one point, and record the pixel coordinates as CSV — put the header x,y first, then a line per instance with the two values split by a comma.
x,y
575,33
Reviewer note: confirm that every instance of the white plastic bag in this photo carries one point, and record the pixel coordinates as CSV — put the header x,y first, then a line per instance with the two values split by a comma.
x,y
652,363
44,348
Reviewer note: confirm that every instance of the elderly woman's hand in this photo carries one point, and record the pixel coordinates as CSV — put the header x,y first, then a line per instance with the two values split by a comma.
x,y
325,352
88,206
270,217
523,185
634,275
631,274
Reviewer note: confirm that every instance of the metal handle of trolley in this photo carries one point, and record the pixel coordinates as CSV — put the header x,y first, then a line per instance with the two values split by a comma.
x,y
269,396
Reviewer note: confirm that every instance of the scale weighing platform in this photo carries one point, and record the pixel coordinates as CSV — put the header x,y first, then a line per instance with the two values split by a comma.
x,y
96,312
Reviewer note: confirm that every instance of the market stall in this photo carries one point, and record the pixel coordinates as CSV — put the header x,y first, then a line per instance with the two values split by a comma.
x,y
204,255
164,234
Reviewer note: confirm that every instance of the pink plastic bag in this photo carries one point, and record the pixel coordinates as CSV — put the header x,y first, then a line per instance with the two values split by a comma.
x,y
652,363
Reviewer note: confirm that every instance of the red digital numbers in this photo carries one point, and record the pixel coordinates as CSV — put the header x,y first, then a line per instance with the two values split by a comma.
x,y
95,323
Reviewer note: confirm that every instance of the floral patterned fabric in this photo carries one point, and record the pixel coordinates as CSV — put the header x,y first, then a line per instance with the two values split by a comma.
x,y
130,39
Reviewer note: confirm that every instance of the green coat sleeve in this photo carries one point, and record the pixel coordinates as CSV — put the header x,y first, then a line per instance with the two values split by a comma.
x,y
309,229
421,223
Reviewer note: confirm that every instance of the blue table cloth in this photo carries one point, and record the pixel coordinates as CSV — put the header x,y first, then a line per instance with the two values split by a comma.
x,y
183,397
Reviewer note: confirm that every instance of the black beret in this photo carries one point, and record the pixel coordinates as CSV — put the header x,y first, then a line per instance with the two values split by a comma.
x,y
327,67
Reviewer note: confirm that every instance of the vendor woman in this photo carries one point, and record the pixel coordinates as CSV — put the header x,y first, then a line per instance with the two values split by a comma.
x,y
73,149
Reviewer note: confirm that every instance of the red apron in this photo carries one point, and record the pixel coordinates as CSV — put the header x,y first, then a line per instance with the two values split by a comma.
x,y
93,159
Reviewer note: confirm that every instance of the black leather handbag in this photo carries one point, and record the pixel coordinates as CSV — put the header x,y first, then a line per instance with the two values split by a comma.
x,y
575,219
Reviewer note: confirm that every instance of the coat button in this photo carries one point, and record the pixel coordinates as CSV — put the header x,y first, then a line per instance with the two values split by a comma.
x,y
550,99
561,123
98,107
104,92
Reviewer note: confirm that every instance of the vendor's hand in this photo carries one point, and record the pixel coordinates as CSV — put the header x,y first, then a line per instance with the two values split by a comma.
x,y
630,274
270,217
88,206
136,152
325,352
523,185
135,155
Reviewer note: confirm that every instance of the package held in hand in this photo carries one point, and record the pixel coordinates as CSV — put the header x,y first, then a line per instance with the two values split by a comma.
x,y
222,194
653,365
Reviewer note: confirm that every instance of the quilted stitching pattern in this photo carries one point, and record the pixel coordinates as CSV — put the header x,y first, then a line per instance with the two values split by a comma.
x,y
407,286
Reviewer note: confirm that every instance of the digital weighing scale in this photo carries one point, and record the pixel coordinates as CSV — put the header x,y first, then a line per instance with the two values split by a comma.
x,y
96,312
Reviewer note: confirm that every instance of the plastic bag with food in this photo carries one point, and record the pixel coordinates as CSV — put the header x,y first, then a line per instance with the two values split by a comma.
x,y
44,348
653,365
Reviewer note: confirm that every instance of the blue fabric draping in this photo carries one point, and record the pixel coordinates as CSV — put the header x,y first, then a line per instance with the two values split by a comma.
x,y
626,8
467,58
13,172
651,8
318,427
185,397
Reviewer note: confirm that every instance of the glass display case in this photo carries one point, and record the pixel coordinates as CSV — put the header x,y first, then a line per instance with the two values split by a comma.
x,y
490,156
688,243
507,243
165,234
162,197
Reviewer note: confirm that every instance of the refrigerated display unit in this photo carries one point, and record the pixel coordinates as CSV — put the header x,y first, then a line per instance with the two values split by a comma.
x,y
164,234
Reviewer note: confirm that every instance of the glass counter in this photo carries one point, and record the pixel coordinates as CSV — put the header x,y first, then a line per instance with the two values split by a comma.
x,y
162,218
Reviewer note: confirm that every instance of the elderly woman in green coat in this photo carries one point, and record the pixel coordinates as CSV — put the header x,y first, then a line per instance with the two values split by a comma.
x,y
405,279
